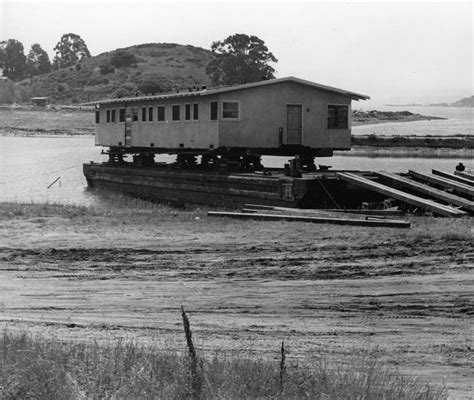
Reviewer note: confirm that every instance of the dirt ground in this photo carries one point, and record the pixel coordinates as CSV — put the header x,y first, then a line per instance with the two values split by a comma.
x,y
332,291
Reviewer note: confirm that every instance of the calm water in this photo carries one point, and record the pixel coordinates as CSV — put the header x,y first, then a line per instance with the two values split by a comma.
x,y
28,165
460,122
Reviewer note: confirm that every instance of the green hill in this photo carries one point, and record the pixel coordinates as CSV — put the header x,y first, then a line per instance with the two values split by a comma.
x,y
145,68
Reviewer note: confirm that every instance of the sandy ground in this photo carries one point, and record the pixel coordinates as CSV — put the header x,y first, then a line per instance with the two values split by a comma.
x,y
326,290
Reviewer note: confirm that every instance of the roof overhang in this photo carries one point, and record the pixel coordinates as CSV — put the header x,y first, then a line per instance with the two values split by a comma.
x,y
213,91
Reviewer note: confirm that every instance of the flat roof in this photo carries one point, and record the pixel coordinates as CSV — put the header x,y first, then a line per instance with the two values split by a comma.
x,y
231,88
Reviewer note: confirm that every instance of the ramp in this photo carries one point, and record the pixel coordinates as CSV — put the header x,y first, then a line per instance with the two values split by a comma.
x,y
460,188
400,182
453,177
431,205
465,174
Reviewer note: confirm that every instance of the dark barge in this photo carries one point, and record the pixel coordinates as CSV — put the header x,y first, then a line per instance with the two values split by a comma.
x,y
340,190
320,189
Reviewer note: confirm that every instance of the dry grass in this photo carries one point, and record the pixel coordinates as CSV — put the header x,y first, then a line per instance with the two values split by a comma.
x,y
40,368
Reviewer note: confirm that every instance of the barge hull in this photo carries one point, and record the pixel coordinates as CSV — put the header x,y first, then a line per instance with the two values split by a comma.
x,y
179,186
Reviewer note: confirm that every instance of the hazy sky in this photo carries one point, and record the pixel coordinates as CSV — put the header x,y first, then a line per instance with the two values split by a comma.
x,y
395,52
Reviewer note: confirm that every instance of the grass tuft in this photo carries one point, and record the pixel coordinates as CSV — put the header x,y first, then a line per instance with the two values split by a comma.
x,y
40,368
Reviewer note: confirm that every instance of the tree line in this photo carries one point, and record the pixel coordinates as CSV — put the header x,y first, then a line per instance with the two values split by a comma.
x,y
237,59
70,49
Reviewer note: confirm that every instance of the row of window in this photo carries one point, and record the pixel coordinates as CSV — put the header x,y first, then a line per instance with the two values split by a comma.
x,y
338,116
230,112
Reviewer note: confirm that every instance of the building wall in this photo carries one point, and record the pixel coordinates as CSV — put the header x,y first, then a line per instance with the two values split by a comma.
x,y
201,133
263,113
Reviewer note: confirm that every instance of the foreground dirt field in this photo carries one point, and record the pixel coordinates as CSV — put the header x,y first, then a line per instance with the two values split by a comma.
x,y
122,270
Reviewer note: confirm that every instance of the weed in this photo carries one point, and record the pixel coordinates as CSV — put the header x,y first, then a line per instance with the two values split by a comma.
x,y
40,368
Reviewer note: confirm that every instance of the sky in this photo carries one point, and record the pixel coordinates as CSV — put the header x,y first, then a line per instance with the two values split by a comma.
x,y
396,52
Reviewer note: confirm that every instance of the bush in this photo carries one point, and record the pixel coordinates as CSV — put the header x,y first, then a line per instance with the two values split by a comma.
x,y
78,67
152,83
125,91
60,88
122,59
106,69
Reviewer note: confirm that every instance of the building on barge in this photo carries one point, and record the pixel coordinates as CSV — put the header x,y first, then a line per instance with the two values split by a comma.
x,y
285,116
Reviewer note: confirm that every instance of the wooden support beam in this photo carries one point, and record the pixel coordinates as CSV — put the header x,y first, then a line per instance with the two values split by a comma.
x,y
464,174
315,220
400,182
453,177
402,196
444,183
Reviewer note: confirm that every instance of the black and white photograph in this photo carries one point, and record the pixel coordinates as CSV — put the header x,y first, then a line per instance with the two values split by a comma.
x,y
236,200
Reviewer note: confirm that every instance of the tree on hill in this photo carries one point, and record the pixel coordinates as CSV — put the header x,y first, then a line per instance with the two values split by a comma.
x,y
12,59
37,61
69,50
240,58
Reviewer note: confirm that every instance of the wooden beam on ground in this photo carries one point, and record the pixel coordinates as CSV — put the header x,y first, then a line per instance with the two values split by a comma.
x,y
315,220
444,183
400,182
453,177
330,210
386,212
314,213
402,196
464,174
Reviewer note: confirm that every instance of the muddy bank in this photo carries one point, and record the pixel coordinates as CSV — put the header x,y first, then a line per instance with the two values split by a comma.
x,y
124,269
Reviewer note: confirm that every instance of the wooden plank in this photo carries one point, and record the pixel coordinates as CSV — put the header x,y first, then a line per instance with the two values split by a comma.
x,y
402,196
399,182
453,177
366,212
310,212
444,183
464,174
315,220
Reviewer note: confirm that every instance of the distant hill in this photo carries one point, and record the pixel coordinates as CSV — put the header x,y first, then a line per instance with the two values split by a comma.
x,y
466,102
145,68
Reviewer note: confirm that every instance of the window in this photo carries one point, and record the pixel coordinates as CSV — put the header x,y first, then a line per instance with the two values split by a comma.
x,y
338,117
176,112
230,110
134,114
214,110
97,117
150,114
143,114
122,115
161,113
107,119
187,112
112,116
195,111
